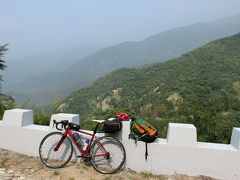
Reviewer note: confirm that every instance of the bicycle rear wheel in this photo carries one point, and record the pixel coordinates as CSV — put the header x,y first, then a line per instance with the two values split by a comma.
x,y
116,155
52,158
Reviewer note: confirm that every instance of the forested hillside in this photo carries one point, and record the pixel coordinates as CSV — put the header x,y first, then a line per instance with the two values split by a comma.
x,y
201,87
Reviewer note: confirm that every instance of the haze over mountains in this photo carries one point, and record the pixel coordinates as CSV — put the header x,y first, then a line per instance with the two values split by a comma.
x,y
22,69
157,48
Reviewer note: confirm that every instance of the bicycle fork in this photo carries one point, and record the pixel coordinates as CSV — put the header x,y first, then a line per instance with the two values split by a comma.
x,y
60,142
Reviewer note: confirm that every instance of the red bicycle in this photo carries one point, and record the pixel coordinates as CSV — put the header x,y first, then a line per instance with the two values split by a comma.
x,y
106,154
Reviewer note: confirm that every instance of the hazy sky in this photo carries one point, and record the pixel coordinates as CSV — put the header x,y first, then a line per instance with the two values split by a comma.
x,y
33,27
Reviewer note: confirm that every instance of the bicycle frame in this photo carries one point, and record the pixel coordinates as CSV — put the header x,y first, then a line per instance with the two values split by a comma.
x,y
68,132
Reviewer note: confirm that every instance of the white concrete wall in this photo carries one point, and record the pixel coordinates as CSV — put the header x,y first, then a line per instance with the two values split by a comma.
x,y
182,135
14,117
235,139
179,153
170,156
74,118
18,133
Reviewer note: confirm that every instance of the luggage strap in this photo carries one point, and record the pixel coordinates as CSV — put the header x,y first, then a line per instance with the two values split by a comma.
x,y
146,151
136,139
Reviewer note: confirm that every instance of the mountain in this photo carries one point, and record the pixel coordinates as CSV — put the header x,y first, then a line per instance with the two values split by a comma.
x,y
24,77
22,69
200,87
157,48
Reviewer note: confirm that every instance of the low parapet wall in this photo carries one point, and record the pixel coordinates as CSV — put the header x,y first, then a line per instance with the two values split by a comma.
x,y
18,133
179,153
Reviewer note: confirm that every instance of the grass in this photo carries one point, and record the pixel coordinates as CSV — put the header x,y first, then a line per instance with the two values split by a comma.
x,y
86,167
113,177
147,175
107,178
56,173
132,171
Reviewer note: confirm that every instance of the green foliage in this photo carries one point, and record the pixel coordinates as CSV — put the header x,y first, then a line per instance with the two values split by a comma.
x,y
41,115
3,49
6,102
200,87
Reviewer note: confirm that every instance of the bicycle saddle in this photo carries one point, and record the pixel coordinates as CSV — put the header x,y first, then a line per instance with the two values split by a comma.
x,y
99,121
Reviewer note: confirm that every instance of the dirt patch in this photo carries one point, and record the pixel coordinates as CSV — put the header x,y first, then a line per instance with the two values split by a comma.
x,y
175,98
105,103
146,109
18,166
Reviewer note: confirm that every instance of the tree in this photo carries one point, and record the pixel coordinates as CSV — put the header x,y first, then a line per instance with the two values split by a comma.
x,y
2,62
6,102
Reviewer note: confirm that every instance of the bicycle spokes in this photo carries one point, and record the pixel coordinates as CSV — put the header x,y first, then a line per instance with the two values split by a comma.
x,y
113,157
53,153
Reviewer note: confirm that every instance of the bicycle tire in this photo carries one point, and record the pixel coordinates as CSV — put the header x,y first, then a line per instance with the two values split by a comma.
x,y
116,150
55,159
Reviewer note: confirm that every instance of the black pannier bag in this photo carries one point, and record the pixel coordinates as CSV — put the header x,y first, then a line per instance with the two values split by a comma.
x,y
112,125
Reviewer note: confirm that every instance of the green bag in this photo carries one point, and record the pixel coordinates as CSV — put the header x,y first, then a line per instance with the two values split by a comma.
x,y
140,130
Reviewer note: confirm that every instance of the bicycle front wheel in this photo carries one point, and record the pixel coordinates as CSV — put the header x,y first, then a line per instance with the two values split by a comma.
x,y
58,158
115,158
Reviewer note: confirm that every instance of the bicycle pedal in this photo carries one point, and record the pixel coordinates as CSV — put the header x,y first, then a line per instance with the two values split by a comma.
x,y
86,159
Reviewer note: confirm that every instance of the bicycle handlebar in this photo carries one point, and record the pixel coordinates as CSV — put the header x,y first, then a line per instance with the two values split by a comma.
x,y
63,124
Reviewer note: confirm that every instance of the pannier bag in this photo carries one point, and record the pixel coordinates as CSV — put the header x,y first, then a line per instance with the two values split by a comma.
x,y
140,130
112,125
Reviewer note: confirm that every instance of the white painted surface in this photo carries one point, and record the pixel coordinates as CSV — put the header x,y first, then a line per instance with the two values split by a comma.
x,y
179,153
37,127
194,161
216,160
182,134
74,118
235,139
222,147
17,117
22,140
